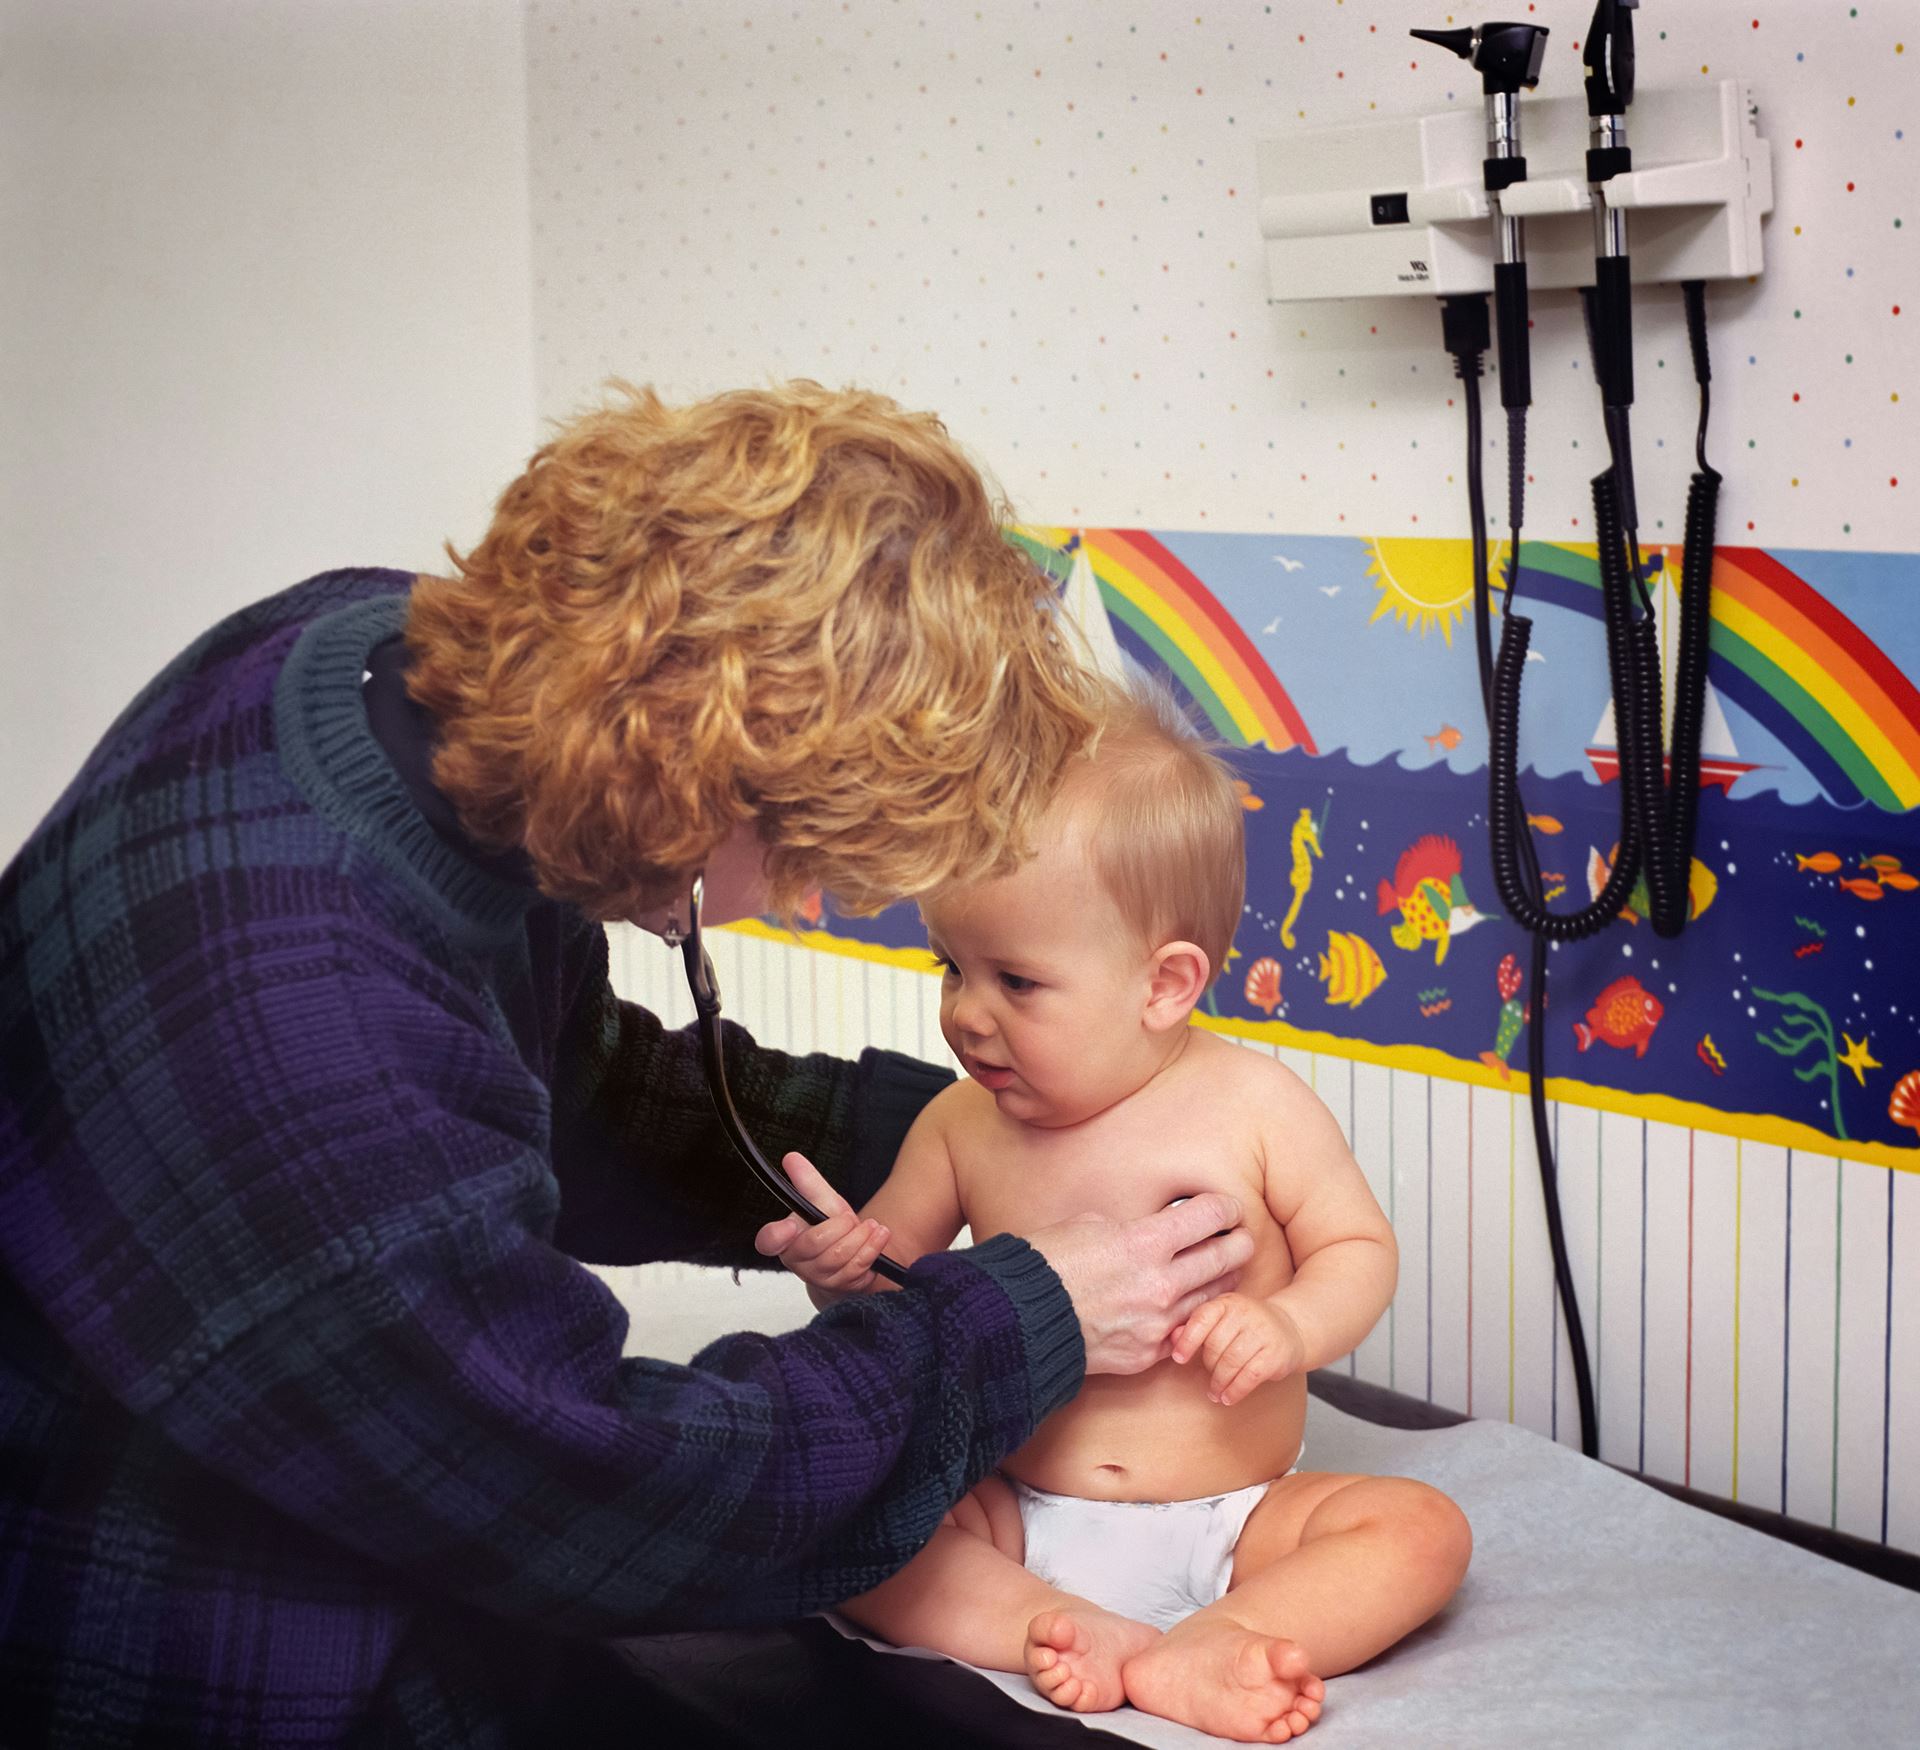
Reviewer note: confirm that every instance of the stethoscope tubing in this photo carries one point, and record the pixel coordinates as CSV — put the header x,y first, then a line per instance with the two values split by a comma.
x,y
705,989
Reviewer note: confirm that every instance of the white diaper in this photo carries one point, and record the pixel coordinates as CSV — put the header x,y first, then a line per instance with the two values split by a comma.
x,y
1153,1561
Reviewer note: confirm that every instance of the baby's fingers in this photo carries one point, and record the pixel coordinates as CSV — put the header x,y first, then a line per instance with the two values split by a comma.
x,y
807,1180
773,1239
856,1272
1190,1336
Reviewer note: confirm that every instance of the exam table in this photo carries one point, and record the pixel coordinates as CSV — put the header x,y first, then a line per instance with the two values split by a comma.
x,y
1601,1609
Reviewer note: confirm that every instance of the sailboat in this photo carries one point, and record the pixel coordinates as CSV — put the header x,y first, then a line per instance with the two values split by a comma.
x,y
1719,759
1082,605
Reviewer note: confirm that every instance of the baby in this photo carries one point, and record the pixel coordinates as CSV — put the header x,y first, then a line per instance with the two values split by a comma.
x,y
1156,1541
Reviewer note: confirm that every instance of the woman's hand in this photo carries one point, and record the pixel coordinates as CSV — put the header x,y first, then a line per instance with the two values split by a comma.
x,y
1134,1283
834,1256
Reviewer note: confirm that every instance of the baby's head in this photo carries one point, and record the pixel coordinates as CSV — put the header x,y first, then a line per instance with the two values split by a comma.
x,y
1068,983
1155,820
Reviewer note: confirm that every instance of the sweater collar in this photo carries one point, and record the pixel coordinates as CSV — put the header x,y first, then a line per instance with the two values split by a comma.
x,y
328,748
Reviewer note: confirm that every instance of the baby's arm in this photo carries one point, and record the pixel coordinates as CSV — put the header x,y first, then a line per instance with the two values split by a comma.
x,y
1345,1259
915,1212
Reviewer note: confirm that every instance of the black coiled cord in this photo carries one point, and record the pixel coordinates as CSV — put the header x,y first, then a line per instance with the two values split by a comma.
x,y
1657,819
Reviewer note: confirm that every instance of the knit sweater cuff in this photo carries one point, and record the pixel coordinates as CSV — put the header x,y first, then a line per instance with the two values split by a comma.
x,y
1049,1328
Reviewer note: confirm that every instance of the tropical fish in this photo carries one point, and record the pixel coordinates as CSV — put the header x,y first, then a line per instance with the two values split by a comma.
x,y
1863,888
1882,866
1623,1015
1350,968
1806,948
1446,737
1709,1054
1544,823
1263,984
1899,879
1703,886
1433,902
1250,802
1304,843
1821,862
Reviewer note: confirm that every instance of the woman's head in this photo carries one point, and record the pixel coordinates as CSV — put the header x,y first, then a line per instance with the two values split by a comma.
x,y
793,606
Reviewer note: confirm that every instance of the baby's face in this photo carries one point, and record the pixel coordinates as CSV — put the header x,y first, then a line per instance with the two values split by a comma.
x,y
1043,990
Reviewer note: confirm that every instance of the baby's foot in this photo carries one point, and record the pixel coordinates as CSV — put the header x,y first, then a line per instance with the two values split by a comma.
x,y
1222,1678
1074,1655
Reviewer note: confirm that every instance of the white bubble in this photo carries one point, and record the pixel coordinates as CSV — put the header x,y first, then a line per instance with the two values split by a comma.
x,y
1753,1011
1736,959
1859,929
1731,867
1626,948
1673,987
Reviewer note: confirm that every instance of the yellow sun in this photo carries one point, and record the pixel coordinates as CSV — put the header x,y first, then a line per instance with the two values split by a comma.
x,y
1424,584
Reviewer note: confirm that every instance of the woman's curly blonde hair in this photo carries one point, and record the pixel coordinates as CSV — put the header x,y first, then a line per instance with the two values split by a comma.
x,y
794,605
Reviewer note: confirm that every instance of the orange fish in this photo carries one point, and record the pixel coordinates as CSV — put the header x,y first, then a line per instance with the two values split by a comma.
x,y
1544,823
1821,863
1881,866
1900,879
1863,888
1250,802
810,907
1448,737
1623,1015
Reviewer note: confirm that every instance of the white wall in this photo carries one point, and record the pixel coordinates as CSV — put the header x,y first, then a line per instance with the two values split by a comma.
x,y
264,293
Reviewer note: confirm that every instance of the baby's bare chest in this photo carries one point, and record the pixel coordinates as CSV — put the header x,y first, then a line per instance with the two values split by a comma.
x,y
1013,1179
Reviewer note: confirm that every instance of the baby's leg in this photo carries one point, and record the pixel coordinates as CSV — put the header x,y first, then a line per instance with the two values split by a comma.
x,y
967,1595
1329,1569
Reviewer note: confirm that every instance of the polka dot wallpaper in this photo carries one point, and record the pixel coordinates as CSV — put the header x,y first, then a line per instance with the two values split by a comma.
x,y
1038,217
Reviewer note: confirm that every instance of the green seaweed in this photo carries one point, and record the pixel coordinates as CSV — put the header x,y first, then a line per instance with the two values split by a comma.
x,y
1808,1024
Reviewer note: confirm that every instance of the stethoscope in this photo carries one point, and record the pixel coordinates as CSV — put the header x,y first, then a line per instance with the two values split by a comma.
x,y
706,1006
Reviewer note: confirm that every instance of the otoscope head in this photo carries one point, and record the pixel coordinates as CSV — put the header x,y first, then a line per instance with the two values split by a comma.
x,y
1609,57
1506,56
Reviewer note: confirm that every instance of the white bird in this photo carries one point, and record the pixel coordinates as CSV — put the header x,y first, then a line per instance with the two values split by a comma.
x,y
1329,589
1282,560
1272,625
1535,656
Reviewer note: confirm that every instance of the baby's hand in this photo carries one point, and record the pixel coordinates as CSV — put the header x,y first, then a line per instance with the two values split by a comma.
x,y
835,1255
1244,1341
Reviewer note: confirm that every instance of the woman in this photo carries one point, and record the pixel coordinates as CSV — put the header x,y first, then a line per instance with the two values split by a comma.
x,y
313,1092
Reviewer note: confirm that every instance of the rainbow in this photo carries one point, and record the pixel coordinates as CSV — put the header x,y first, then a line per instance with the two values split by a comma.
x,y
1782,652
1151,594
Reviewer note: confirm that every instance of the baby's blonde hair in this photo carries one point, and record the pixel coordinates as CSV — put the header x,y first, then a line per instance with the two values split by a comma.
x,y
791,604
1155,811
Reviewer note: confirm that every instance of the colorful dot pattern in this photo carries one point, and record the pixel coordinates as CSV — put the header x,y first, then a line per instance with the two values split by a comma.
x,y
1039,218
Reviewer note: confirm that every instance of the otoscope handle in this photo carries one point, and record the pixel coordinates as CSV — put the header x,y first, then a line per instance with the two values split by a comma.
x,y
1510,324
1613,330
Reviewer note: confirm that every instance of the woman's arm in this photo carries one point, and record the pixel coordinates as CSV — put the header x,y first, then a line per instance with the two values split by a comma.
x,y
645,1169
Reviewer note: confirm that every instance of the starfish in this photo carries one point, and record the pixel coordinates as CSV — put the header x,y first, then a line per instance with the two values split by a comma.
x,y
1857,1058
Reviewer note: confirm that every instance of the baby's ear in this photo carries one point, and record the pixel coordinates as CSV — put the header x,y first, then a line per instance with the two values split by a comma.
x,y
1175,984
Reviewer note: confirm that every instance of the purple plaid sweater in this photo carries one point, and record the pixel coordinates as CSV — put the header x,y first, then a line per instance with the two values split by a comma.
x,y
312,1425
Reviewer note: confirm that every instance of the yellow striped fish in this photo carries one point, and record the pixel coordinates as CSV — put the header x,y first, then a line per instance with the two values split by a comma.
x,y
1350,968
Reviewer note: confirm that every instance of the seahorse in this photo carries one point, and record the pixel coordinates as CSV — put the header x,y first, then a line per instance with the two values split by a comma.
x,y
1305,845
